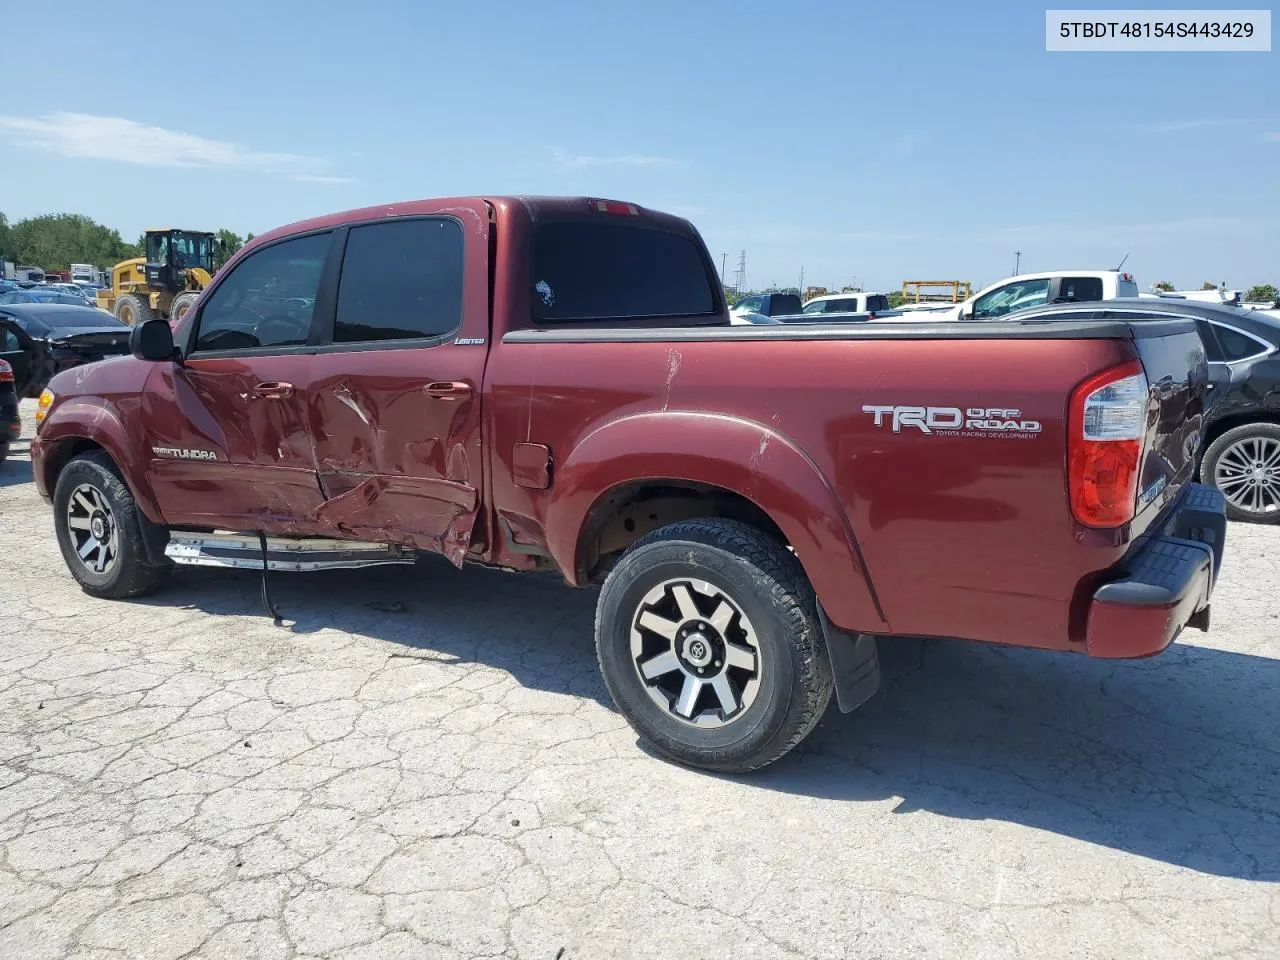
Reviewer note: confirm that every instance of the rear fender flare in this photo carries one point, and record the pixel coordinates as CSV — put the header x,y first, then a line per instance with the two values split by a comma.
x,y
741,456
83,419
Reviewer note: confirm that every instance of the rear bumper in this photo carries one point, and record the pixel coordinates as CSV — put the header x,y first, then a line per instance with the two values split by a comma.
x,y
1167,584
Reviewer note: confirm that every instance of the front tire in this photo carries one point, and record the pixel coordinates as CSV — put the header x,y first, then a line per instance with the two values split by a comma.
x,y
132,309
99,529
1244,463
181,304
709,643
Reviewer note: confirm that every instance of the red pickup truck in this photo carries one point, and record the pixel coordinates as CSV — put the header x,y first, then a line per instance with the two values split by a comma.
x,y
554,384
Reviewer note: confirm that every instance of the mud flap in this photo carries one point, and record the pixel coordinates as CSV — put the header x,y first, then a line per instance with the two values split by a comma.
x,y
855,664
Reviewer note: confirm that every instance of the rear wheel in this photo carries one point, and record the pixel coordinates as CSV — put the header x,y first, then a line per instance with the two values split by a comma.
x,y
99,531
133,309
4,449
709,642
1244,463
181,304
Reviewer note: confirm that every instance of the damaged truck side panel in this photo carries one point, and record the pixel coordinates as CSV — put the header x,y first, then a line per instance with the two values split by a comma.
x,y
554,384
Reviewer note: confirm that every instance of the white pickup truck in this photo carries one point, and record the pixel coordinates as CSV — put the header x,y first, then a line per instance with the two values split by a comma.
x,y
1032,290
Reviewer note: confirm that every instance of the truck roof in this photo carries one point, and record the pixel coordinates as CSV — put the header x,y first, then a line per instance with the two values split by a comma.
x,y
535,205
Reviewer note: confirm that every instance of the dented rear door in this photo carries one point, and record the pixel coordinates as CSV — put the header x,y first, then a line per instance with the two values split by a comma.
x,y
395,389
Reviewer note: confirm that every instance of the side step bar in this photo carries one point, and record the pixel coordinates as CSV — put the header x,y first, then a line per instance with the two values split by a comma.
x,y
296,554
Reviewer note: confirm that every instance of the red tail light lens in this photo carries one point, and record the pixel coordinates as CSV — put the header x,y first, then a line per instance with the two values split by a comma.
x,y
1106,423
614,206
6,372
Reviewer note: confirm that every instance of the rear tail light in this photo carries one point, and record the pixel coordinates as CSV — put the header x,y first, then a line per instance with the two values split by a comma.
x,y
1106,423
6,372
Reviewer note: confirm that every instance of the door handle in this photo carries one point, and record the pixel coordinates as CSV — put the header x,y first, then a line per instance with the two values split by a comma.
x,y
447,390
274,390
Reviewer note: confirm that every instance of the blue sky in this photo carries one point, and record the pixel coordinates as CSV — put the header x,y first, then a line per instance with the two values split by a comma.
x,y
868,142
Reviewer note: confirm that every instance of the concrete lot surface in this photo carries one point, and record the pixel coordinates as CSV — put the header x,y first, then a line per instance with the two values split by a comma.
x,y
424,764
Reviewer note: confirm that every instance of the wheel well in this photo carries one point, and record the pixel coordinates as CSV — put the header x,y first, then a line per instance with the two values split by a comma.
x,y
1219,427
62,454
629,512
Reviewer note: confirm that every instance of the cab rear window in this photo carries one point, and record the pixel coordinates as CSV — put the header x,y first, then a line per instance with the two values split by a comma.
x,y
585,271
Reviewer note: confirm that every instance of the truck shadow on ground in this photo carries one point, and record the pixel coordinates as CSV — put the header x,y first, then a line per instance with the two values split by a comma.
x,y
1176,758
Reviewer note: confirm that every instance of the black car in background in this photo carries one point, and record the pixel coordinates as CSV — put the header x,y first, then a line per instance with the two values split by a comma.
x,y
10,422
41,339
1240,454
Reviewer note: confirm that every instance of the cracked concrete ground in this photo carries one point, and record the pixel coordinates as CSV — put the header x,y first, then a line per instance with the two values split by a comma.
x,y
426,766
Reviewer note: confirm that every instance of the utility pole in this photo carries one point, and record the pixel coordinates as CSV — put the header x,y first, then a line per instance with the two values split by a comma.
x,y
802,281
724,265
1017,261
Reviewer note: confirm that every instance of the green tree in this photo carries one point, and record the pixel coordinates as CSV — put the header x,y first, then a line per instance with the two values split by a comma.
x,y
1207,285
896,299
57,240
731,294
227,245
1164,285
1262,293
5,252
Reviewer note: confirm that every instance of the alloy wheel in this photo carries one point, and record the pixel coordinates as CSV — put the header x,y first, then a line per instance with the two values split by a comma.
x,y
696,652
1248,474
94,533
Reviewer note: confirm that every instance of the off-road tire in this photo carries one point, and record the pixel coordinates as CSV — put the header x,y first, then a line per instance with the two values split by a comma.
x,y
131,575
767,583
130,305
1209,466
181,303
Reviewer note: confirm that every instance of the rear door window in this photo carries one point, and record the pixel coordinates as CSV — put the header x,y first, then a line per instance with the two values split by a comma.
x,y
401,280
818,306
877,302
584,271
1078,289
1235,345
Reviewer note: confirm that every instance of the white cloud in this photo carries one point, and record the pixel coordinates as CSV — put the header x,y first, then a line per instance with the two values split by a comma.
x,y
122,140
1203,124
569,161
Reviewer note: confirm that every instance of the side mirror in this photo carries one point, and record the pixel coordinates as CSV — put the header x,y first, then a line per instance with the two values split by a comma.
x,y
152,340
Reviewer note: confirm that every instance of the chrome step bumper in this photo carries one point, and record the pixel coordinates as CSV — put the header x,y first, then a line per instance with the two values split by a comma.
x,y
243,551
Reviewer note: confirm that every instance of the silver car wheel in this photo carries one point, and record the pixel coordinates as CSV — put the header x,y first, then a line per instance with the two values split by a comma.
x,y
1248,474
94,532
696,653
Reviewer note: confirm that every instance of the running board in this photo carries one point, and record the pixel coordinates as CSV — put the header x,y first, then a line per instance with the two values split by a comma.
x,y
296,554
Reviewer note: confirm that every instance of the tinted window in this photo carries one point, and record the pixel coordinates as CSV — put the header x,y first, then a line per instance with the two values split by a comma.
x,y
877,302
400,280
1235,345
9,341
267,300
1074,289
589,271
751,304
1212,350
847,305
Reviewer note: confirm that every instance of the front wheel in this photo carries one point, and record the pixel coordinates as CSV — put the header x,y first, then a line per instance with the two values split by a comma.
x,y
99,531
710,645
1244,463
181,304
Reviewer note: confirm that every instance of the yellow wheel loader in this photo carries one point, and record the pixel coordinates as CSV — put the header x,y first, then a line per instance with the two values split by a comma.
x,y
164,283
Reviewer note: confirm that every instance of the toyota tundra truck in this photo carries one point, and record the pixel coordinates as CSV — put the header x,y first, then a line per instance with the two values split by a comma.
x,y
553,384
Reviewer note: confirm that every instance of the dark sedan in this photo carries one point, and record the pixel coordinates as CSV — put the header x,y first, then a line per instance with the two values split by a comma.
x,y
41,339
1241,448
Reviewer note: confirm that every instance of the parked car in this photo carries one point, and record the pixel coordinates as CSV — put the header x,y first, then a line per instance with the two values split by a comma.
x,y
757,504
769,304
1031,290
1240,452
40,294
10,421
53,337
873,306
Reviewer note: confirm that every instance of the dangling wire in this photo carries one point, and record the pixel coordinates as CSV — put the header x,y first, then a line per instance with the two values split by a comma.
x,y
267,602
